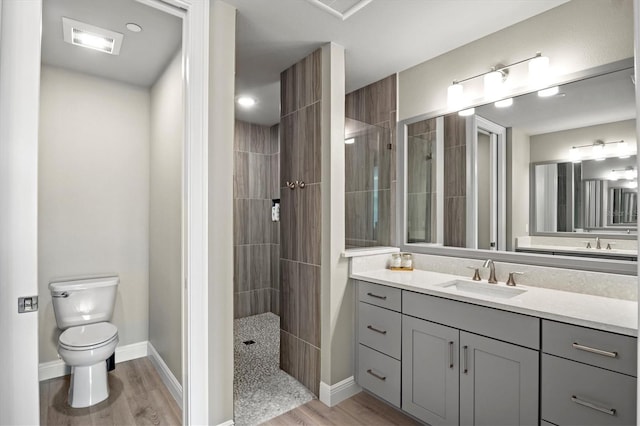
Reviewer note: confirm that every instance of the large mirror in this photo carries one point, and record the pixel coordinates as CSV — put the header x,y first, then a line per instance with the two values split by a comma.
x,y
553,175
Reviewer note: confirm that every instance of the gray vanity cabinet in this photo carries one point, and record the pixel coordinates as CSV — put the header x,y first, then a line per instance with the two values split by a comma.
x,y
430,371
498,382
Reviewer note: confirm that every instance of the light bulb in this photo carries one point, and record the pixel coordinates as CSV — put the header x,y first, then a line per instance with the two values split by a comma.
x,y
623,150
505,103
455,94
574,155
493,84
612,175
246,101
597,150
551,91
538,70
630,174
633,184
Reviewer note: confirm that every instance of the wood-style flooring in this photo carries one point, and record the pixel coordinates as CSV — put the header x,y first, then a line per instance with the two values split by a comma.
x,y
360,409
137,397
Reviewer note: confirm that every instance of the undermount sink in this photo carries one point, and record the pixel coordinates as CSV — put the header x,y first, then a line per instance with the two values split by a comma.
x,y
489,290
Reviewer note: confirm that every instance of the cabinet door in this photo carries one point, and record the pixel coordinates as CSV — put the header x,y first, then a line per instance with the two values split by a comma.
x,y
498,382
430,371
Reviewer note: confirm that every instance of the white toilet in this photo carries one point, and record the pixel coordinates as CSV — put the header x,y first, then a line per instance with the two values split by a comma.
x,y
83,308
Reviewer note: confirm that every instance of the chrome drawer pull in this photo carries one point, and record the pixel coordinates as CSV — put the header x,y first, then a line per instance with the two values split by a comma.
x,y
376,296
372,328
376,375
594,350
450,354
609,411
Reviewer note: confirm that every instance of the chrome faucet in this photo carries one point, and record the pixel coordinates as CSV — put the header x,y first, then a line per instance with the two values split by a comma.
x,y
492,271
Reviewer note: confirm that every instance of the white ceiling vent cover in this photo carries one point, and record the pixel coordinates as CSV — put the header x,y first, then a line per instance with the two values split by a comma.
x,y
342,9
92,37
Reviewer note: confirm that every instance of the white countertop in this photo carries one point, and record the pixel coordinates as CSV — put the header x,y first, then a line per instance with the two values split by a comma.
x,y
603,313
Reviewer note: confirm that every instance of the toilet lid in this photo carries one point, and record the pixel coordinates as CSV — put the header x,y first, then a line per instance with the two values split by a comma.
x,y
88,335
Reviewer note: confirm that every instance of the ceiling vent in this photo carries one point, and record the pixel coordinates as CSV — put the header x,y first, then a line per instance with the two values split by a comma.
x,y
342,9
92,37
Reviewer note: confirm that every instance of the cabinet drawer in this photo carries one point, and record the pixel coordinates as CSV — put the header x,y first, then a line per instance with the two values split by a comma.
x,y
520,329
380,295
577,394
600,348
379,374
380,329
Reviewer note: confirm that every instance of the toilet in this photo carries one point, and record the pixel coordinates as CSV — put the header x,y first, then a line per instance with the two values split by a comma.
x,y
83,309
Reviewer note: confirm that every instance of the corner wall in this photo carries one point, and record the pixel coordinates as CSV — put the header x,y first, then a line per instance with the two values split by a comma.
x,y
165,216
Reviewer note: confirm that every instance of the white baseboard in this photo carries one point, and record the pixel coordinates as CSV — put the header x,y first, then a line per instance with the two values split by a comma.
x,y
331,395
169,380
57,368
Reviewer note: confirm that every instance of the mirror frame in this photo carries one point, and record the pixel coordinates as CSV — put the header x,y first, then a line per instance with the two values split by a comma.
x,y
554,261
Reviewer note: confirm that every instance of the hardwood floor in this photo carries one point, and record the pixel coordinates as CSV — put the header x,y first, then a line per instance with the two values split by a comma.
x,y
137,397
360,409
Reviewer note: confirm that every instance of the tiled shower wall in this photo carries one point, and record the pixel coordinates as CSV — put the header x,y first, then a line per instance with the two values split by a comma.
x,y
373,104
256,281
300,99
455,181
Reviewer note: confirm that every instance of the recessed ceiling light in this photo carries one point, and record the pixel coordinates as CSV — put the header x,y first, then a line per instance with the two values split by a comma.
x,y
505,103
92,37
134,28
467,112
246,101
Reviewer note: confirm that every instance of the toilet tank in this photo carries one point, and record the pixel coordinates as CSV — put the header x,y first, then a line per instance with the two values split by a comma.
x,y
83,301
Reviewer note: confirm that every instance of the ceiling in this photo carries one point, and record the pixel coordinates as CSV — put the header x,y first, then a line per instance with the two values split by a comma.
x,y
381,38
143,55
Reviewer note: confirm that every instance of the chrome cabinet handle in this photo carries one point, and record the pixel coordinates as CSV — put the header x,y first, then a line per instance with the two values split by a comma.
x,y
609,411
372,328
62,294
580,347
377,376
376,296
465,368
450,354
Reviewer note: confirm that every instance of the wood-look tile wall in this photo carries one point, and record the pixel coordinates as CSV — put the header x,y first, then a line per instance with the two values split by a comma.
x,y
421,182
300,221
455,181
256,237
373,104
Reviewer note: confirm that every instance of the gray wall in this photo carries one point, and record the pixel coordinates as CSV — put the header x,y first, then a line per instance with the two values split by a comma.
x,y
256,250
165,216
93,197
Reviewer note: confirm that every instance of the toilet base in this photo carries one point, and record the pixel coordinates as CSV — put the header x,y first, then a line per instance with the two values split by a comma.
x,y
89,385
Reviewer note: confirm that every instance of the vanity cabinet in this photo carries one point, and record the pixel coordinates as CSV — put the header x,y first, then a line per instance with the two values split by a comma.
x,y
588,376
451,376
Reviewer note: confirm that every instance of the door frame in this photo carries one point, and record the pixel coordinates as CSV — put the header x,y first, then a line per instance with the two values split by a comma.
x,y
20,47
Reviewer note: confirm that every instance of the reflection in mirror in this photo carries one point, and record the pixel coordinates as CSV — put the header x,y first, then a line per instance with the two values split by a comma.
x,y
546,171
367,185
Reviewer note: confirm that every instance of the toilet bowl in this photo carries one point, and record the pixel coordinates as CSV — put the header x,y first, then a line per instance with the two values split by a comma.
x,y
82,308
85,349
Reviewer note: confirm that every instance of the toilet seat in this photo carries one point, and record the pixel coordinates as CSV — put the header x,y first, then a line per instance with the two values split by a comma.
x,y
88,337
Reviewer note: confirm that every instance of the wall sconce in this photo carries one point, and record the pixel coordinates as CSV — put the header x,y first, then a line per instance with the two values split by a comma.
x,y
599,151
495,78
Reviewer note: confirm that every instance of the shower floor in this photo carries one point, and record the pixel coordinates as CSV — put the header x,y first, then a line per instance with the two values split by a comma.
x,y
261,390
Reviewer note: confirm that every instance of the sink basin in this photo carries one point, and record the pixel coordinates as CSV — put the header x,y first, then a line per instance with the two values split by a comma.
x,y
483,289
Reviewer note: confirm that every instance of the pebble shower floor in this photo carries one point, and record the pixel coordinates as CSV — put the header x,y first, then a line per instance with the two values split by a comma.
x,y
261,390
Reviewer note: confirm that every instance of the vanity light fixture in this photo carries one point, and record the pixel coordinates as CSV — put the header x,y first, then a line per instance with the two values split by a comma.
x,y
505,103
349,141
494,79
92,37
599,150
551,91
